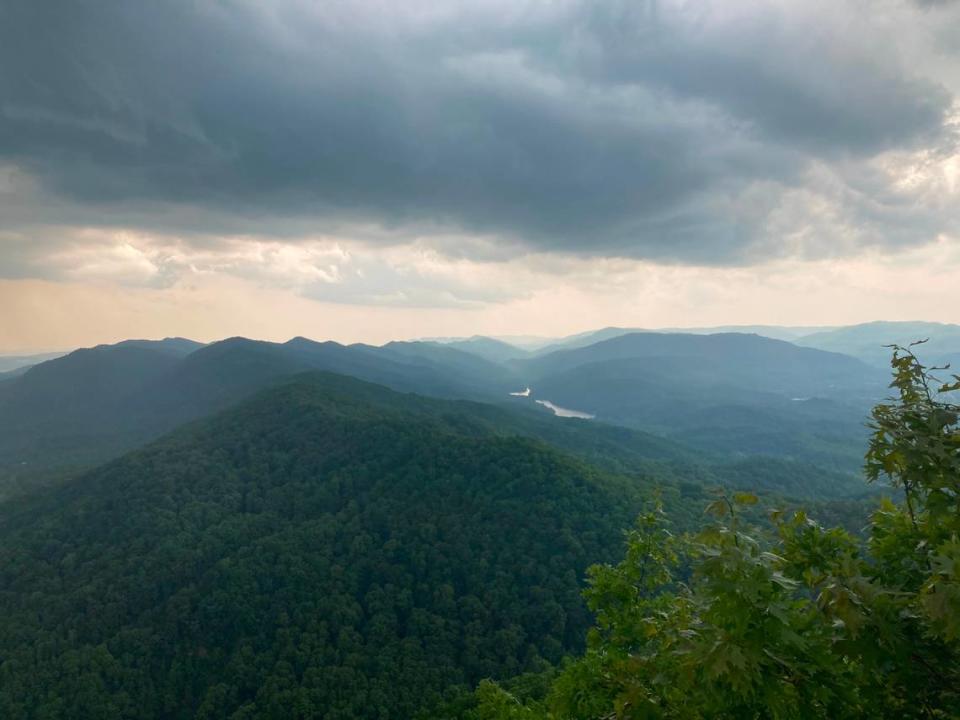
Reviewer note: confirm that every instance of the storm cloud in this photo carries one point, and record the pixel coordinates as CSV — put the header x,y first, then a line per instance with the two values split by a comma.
x,y
700,133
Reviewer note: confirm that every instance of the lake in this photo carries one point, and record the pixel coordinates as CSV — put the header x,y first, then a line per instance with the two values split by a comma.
x,y
565,412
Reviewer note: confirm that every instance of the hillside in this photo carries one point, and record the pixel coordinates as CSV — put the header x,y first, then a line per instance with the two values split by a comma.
x,y
688,400
92,404
328,549
766,363
726,393
489,348
591,337
77,407
868,341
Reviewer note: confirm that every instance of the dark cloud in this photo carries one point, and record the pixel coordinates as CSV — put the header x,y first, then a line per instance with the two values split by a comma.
x,y
629,128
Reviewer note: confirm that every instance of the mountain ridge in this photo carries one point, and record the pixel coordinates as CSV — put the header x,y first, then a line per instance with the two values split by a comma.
x,y
406,557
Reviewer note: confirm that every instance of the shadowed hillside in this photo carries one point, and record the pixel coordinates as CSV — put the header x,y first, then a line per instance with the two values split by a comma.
x,y
328,548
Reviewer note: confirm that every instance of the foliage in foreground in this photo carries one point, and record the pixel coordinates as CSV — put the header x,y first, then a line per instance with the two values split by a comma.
x,y
805,624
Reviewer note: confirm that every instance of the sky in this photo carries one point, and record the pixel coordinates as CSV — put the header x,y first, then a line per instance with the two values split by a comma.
x,y
365,170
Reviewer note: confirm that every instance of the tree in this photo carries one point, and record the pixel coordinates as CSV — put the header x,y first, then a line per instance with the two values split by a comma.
x,y
804,623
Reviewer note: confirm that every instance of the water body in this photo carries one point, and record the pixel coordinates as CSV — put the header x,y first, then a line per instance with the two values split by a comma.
x,y
565,412
557,410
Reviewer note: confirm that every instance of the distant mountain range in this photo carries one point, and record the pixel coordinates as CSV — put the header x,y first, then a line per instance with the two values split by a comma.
x,y
865,341
868,341
91,404
730,395
724,393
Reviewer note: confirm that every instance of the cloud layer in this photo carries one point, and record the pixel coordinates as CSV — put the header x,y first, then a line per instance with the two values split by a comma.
x,y
697,133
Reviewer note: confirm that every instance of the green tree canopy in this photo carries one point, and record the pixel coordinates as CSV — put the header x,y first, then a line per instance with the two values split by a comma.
x,y
806,623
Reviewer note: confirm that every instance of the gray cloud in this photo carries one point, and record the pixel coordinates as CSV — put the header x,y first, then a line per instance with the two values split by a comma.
x,y
635,129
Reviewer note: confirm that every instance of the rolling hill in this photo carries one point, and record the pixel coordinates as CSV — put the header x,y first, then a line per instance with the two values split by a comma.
x,y
92,404
867,341
327,549
725,393
590,337
706,399
81,407
489,348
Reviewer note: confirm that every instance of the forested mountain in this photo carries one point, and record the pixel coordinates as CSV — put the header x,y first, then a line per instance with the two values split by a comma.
x,y
78,408
869,341
590,337
328,549
807,621
732,357
736,397
92,404
733,393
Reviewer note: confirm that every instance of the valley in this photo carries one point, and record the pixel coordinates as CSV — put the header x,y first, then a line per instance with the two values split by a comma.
x,y
254,529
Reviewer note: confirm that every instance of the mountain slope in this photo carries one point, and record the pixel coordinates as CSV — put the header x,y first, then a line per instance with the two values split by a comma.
x,y
72,408
591,337
490,349
776,332
765,362
726,393
11,363
584,339
328,549
868,341
92,404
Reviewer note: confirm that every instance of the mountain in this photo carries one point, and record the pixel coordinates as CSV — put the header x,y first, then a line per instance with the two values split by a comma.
x,y
489,348
525,343
717,399
478,358
761,362
776,332
77,407
726,393
327,549
12,366
585,339
239,365
529,343
867,341
11,363
92,404
176,346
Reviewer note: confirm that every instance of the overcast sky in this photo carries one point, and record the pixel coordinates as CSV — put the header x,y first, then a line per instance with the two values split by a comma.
x,y
369,170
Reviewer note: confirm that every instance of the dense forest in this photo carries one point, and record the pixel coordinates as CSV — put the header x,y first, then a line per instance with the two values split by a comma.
x,y
330,549
802,622
334,548
479,360
732,397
